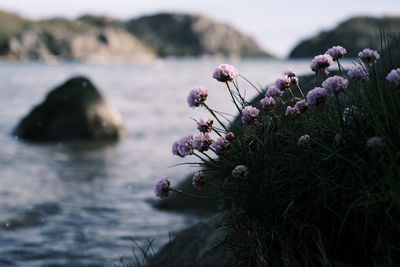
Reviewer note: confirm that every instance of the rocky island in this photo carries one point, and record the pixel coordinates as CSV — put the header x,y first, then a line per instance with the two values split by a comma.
x,y
103,39
355,34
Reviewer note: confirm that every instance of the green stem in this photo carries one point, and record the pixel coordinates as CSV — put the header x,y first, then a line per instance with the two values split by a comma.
x,y
190,195
233,98
215,116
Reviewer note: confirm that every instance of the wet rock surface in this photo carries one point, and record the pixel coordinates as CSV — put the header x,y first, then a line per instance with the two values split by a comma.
x,y
73,111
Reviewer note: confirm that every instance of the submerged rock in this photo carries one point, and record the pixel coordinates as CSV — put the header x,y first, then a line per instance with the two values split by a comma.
x,y
71,112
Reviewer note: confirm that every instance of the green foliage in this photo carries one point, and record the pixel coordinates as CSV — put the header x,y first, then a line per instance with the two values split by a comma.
x,y
334,203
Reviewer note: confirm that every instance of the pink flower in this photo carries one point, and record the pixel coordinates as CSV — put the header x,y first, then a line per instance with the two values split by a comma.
x,y
249,114
240,172
199,180
274,92
183,147
316,96
202,142
321,63
304,141
162,187
197,96
225,73
394,77
368,56
301,106
292,112
283,82
336,52
204,125
268,103
335,85
220,146
358,73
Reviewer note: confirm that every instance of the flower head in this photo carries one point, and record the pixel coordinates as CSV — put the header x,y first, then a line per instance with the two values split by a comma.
x,y
199,180
375,144
268,103
230,136
183,147
204,125
225,73
321,63
316,96
335,85
301,105
304,141
358,73
368,56
292,112
162,187
336,52
274,92
249,114
220,146
283,82
202,142
240,172
394,77
289,73
197,96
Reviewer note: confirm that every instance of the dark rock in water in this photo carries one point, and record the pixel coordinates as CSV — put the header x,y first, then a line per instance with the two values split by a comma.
x,y
71,112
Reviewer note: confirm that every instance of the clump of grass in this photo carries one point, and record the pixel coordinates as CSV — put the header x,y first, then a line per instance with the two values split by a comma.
x,y
329,199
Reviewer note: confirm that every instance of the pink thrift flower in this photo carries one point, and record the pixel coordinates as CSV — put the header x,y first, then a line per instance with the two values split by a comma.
x,y
336,52
202,142
304,141
197,96
162,187
199,180
394,77
220,146
240,172
321,63
283,82
292,112
289,73
225,73
358,74
316,96
249,114
268,103
274,92
204,125
301,106
368,56
183,147
335,85
230,136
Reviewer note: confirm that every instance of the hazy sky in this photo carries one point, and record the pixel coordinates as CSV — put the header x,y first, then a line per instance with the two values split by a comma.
x,y
276,25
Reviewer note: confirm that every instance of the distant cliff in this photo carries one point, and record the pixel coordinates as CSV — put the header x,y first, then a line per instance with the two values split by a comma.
x,y
354,34
103,39
172,34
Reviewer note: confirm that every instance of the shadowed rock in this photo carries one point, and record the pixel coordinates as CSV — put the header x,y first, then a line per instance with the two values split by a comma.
x,y
71,112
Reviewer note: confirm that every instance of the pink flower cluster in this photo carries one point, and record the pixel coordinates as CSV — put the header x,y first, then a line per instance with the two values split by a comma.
x,y
225,73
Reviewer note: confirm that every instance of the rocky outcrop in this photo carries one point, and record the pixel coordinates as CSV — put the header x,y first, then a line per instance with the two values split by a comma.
x,y
197,246
103,39
71,112
191,35
77,40
354,34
